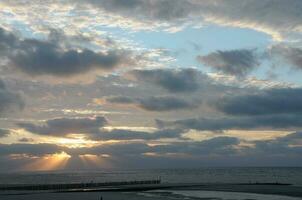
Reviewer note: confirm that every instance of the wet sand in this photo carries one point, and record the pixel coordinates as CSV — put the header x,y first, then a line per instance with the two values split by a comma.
x,y
160,192
79,196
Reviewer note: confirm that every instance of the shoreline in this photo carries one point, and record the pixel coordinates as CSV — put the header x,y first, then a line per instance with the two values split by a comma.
x,y
263,189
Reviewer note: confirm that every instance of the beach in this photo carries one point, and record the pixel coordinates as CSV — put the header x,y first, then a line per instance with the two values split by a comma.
x,y
168,191
76,196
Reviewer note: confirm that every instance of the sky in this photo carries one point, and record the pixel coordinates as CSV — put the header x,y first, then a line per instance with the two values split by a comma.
x,y
98,84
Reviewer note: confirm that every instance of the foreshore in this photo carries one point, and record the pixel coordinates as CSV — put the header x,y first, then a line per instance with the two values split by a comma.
x,y
134,191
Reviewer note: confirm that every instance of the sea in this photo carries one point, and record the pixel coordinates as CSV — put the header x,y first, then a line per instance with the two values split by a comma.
x,y
288,175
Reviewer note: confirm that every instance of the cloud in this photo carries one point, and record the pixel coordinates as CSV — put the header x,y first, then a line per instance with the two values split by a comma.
x,y
220,146
7,40
276,18
4,133
29,149
217,151
25,140
127,135
65,126
289,54
165,10
159,103
182,80
47,57
290,140
9,101
166,104
288,145
120,99
231,123
241,62
217,145
93,128
265,102
233,62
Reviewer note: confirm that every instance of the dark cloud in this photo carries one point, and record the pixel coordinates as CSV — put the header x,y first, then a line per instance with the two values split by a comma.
x,y
274,17
220,150
29,149
9,101
184,80
65,126
25,140
287,145
217,145
43,58
289,54
120,99
159,103
166,104
93,129
146,9
220,146
7,40
242,123
291,137
114,149
233,62
4,133
119,134
266,102
47,57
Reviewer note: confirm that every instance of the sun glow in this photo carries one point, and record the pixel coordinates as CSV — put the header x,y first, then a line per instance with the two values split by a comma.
x,y
94,160
56,161
76,142
89,159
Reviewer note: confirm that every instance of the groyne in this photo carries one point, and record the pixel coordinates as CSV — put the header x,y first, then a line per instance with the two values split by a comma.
x,y
69,186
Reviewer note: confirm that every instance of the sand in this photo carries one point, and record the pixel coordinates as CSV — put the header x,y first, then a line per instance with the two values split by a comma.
x,y
79,196
168,191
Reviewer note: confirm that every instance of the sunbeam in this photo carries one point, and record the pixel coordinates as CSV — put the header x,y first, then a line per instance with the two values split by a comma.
x,y
98,161
56,161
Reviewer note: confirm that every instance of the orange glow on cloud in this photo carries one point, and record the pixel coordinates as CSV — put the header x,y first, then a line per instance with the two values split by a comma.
x,y
49,162
76,141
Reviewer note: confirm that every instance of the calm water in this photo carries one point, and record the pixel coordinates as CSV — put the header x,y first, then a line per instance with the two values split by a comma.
x,y
203,175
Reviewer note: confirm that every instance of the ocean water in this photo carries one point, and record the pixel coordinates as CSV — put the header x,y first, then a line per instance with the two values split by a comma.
x,y
202,175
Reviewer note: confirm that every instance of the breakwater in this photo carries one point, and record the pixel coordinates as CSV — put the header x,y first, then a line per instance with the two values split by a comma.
x,y
70,186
